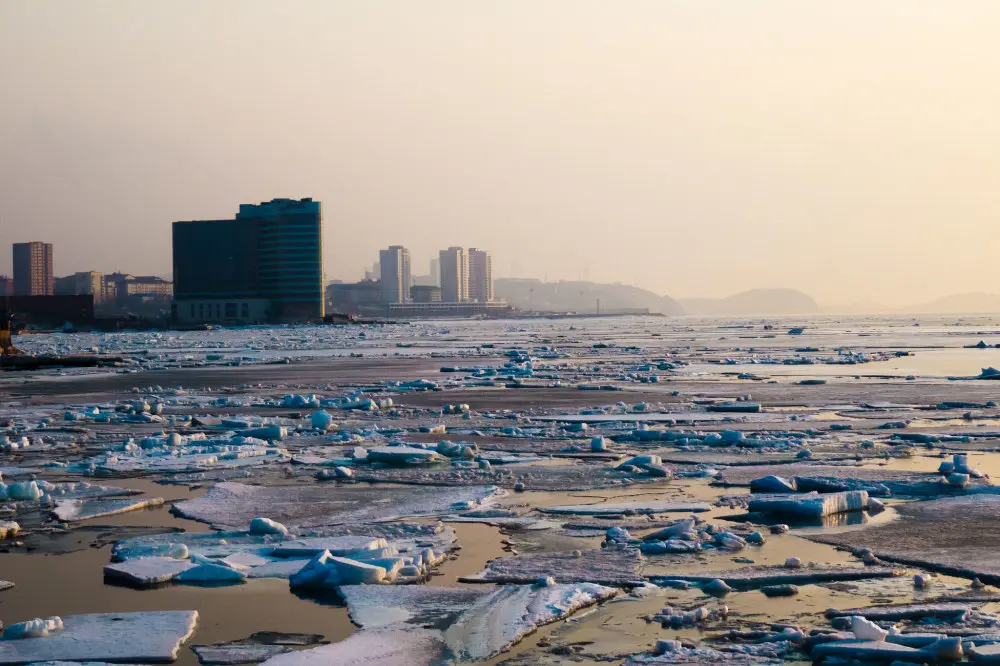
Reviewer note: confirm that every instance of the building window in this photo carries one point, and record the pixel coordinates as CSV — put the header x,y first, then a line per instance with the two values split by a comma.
x,y
230,310
246,310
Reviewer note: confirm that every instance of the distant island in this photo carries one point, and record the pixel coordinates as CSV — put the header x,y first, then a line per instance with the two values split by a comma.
x,y
752,303
589,297
582,297
970,303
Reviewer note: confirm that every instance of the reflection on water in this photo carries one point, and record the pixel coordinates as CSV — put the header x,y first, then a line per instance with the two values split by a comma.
x,y
480,544
922,363
47,585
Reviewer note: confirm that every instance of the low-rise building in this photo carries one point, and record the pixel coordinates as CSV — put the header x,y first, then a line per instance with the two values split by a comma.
x,y
86,283
355,297
422,293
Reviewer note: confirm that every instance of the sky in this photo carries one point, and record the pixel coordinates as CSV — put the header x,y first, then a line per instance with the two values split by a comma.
x,y
847,148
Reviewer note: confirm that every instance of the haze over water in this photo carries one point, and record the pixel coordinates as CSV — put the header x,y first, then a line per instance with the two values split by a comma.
x,y
847,149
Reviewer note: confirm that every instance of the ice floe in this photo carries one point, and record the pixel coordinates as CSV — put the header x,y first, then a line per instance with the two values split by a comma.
x,y
120,637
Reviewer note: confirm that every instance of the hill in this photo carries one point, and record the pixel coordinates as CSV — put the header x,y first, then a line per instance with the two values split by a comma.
x,y
752,303
581,297
970,303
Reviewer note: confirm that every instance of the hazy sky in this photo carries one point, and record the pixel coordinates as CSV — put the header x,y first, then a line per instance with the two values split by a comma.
x,y
850,149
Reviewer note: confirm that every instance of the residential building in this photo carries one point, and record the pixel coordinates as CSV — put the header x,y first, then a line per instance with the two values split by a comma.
x,y
266,265
6,286
148,285
33,274
394,268
424,293
82,284
454,264
480,276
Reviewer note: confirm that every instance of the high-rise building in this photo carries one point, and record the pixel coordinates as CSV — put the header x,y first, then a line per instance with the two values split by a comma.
x,y
454,263
436,271
266,265
82,284
480,276
394,268
6,286
33,274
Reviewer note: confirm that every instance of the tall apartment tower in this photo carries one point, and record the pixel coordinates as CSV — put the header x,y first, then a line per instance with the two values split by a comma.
x,y
454,266
480,276
394,272
33,272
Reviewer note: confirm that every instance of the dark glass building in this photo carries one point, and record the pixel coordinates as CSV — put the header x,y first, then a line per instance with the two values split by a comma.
x,y
266,265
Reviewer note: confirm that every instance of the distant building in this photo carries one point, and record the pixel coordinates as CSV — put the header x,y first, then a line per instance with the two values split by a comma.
x,y
87,283
6,286
444,309
454,264
266,265
33,274
436,271
423,293
394,266
480,276
432,278
148,285
355,297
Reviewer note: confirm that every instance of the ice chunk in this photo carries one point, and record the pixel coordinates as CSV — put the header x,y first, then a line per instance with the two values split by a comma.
x,y
811,505
121,637
717,587
678,530
210,573
267,526
76,510
607,566
266,432
321,420
626,508
24,490
402,455
353,572
232,505
508,614
8,528
33,628
773,484
254,649
125,551
390,646
867,630
477,624
328,571
147,571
